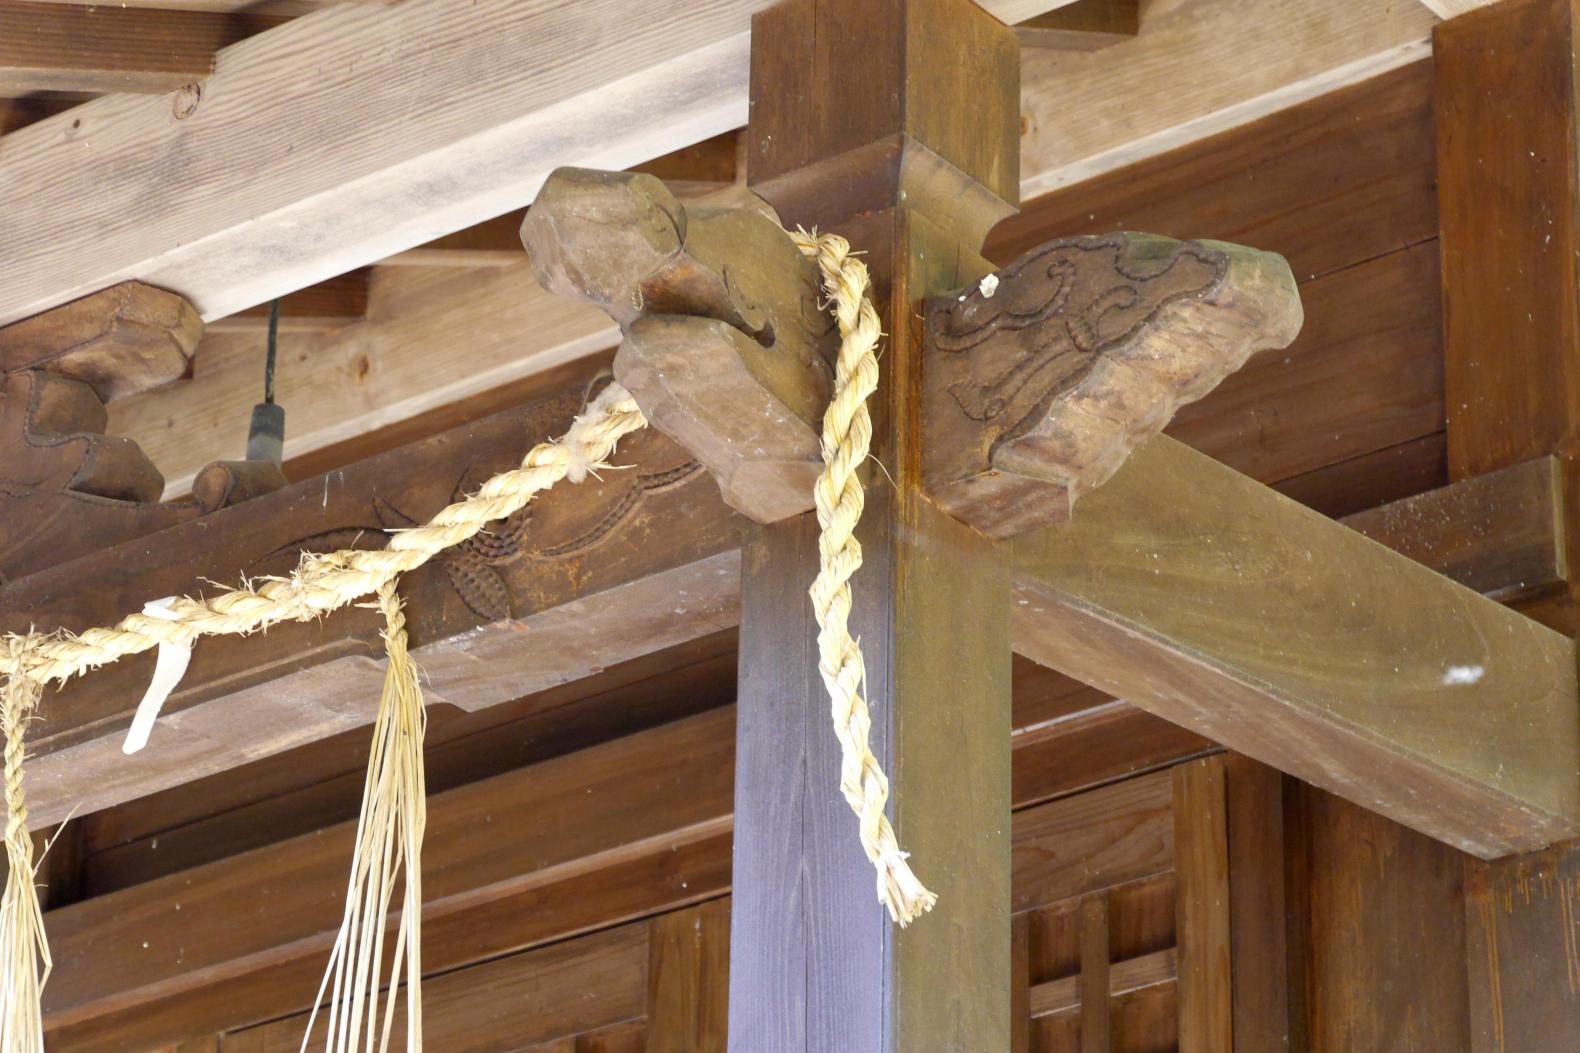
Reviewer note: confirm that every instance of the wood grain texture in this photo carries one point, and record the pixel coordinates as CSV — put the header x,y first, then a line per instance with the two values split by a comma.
x,y
856,127
624,829
1206,1021
1098,598
1382,918
1037,386
90,48
1331,183
688,980
726,347
558,572
1521,931
641,797
1500,533
1454,8
1094,979
1258,905
1090,114
1328,183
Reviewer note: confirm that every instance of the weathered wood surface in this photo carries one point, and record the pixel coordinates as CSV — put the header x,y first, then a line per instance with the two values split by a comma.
x,y
1309,648
857,128
726,346
323,196
1500,533
1086,25
531,603
66,488
1259,917
1378,921
1330,183
331,304
1510,214
1206,1021
1226,66
623,829
1040,380
280,682
101,48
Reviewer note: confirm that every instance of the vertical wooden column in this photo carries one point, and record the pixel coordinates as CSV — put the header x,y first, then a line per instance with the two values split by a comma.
x,y
1509,164
893,123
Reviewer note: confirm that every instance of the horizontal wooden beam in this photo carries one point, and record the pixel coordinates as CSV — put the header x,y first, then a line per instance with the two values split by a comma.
x,y
1209,67
1198,595
104,48
627,828
330,304
535,602
358,141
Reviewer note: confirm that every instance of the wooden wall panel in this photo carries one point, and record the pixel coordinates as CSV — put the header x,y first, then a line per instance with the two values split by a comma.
x,y
1383,933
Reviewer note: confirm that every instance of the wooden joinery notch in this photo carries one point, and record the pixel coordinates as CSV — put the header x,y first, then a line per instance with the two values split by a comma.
x,y
726,347
1040,380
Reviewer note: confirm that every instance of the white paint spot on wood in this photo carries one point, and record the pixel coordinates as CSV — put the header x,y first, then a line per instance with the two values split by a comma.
x,y
1463,674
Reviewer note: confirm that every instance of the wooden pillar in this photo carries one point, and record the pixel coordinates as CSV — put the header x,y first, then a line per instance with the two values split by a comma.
x,y
1509,164
893,123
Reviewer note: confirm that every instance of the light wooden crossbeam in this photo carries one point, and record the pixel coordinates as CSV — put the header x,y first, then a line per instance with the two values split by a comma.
x,y
295,109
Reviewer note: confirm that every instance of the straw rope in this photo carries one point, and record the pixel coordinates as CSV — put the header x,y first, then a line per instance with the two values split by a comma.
x,y
847,439
323,583
24,952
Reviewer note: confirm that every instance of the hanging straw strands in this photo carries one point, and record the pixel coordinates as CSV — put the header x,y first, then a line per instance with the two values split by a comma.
x,y
847,440
388,845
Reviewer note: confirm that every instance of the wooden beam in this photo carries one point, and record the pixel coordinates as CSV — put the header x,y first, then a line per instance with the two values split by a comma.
x,y
591,558
1508,150
295,108
231,679
332,304
91,48
1346,665
1218,65
1364,143
1083,26
626,829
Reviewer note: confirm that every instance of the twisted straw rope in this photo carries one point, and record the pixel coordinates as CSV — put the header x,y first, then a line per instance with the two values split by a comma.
x,y
847,438
24,953
323,583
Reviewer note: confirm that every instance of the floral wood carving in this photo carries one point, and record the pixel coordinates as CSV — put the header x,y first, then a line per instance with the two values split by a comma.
x,y
1040,380
726,348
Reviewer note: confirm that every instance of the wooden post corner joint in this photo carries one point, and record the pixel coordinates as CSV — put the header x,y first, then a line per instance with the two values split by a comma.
x,y
1037,382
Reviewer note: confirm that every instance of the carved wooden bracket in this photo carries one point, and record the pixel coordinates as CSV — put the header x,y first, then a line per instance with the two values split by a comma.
x,y
726,348
66,488
1039,381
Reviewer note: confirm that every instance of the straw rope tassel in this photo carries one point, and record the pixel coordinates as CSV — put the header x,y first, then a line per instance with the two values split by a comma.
x,y
388,851
847,439
24,952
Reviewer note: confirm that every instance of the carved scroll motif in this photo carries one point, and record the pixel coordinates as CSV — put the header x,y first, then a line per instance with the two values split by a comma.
x,y
726,348
1040,380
